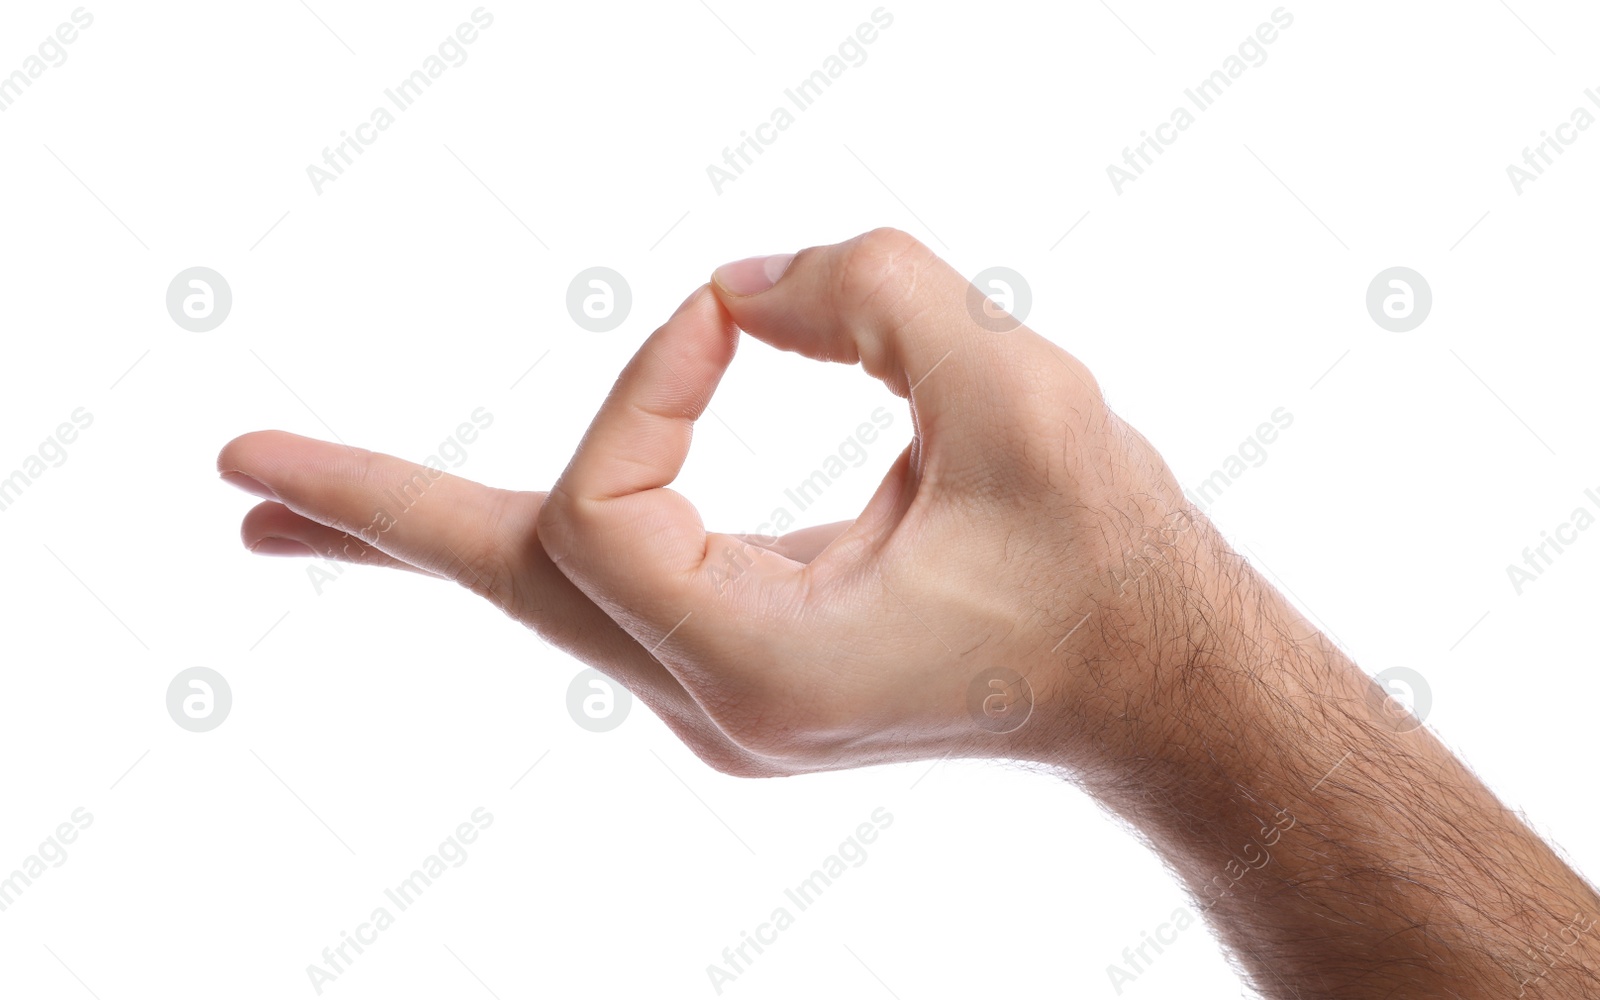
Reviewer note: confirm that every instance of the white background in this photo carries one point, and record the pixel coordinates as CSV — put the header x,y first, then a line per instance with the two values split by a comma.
x,y
1228,281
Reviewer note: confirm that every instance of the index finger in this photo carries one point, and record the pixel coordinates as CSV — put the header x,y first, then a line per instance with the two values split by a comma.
x,y
633,546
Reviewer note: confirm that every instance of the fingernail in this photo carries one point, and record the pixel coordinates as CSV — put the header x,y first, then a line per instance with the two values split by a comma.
x,y
753,274
281,547
250,485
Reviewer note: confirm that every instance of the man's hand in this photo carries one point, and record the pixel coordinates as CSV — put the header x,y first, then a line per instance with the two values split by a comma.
x,y
1027,582
995,543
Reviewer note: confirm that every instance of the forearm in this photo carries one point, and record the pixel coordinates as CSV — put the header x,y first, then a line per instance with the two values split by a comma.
x,y
1337,851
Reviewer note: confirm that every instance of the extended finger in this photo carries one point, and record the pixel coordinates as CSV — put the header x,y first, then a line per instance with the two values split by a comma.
x,y
417,514
272,529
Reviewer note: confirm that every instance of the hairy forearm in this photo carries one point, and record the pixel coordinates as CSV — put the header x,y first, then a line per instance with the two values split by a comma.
x,y
1337,847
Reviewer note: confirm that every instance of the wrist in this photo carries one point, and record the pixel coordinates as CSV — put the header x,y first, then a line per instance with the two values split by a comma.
x,y
1166,646
1200,670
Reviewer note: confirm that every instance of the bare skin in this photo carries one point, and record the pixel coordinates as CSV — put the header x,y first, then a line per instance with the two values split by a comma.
x,y
1339,849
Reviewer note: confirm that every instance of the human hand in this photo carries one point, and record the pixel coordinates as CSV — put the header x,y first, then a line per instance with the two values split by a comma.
x,y
1025,528
998,539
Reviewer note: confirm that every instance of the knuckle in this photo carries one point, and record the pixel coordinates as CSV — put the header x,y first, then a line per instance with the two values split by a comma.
x,y
489,564
879,270
556,508
888,241
486,572
562,521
